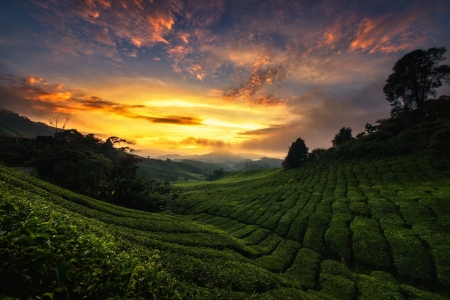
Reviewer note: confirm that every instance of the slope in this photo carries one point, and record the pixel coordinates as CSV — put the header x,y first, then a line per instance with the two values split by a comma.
x,y
328,230
167,169
11,131
350,227
24,125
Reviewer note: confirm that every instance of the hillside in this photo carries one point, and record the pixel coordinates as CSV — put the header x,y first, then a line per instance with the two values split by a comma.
x,y
217,156
7,130
13,124
170,170
327,230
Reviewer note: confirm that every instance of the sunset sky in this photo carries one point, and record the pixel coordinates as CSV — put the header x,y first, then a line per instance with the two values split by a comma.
x,y
192,76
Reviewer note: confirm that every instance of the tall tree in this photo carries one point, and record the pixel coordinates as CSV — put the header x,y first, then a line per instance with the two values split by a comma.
x,y
297,155
344,135
415,77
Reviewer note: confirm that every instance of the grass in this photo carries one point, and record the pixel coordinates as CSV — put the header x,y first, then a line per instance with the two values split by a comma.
x,y
328,230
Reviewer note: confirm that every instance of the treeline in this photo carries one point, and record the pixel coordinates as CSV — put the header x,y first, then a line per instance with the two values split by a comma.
x,y
85,164
425,131
417,124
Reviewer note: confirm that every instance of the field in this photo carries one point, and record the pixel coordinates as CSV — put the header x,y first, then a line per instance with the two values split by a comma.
x,y
170,170
360,229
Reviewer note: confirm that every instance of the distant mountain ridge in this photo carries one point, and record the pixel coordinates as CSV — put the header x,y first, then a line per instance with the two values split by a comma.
x,y
227,159
13,124
218,156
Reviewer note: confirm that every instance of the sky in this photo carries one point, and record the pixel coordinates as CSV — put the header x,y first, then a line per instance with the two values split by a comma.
x,y
193,76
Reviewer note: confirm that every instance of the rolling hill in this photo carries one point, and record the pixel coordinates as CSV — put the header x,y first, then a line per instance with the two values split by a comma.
x,y
7,130
218,156
336,229
13,124
170,170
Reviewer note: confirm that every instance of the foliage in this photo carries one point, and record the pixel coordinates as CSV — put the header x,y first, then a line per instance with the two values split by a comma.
x,y
83,163
216,174
297,155
316,153
46,255
255,234
415,77
343,136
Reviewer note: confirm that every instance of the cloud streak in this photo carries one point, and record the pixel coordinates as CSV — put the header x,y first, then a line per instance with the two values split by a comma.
x,y
195,141
45,98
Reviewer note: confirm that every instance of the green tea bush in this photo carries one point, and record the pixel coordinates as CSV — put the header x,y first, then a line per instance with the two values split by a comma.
x,y
315,231
256,237
410,257
360,209
338,236
339,287
43,254
414,293
385,211
370,288
279,259
436,237
306,268
245,231
369,245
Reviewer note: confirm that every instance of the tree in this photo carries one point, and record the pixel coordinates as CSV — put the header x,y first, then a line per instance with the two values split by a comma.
x,y
415,77
370,128
57,119
297,155
344,135
316,153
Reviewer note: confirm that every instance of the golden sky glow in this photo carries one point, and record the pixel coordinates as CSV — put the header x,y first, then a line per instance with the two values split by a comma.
x,y
189,77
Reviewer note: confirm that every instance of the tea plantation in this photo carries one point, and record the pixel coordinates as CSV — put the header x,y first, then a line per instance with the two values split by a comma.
x,y
359,229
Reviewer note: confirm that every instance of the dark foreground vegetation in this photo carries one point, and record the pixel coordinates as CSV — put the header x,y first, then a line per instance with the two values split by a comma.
x,y
85,164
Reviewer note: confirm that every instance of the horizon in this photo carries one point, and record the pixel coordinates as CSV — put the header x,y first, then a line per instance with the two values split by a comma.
x,y
190,78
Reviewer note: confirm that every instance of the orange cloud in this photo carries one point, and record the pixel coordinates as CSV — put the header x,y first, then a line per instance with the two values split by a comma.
x,y
178,120
263,131
252,90
193,141
141,23
392,33
36,92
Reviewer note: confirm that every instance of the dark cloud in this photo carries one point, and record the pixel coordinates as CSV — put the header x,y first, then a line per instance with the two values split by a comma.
x,y
264,131
193,141
177,120
40,98
320,114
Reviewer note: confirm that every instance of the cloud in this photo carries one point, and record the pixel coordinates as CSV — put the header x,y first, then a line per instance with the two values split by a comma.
x,y
193,141
318,115
263,131
177,120
99,27
393,32
256,89
36,95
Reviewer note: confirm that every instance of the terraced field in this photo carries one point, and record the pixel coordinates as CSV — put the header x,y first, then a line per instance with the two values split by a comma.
x,y
365,229
356,228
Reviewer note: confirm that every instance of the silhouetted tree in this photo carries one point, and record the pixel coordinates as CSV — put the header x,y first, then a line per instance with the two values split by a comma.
x,y
415,77
344,135
370,128
58,119
316,153
297,155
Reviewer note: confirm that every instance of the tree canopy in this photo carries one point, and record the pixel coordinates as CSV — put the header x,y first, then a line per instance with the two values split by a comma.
x,y
297,155
344,135
415,78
